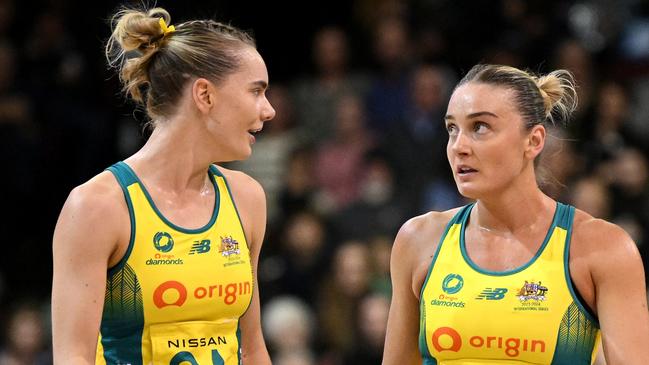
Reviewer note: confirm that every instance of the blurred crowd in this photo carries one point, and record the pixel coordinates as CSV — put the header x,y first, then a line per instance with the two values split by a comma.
x,y
356,148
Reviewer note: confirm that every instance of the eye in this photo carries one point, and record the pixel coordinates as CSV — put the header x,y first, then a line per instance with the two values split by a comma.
x,y
481,127
256,92
451,129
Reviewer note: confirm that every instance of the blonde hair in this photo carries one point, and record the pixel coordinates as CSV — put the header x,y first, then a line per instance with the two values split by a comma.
x,y
541,99
154,66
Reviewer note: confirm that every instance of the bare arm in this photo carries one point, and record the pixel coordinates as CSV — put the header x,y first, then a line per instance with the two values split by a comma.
x,y
401,342
84,240
621,299
251,203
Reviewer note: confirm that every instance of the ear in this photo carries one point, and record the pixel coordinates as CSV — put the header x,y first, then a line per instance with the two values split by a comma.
x,y
203,95
535,141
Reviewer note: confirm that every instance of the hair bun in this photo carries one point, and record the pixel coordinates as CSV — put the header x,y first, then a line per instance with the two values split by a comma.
x,y
559,95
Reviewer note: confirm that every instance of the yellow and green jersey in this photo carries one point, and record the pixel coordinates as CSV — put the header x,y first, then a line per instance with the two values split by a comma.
x,y
530,315
177,295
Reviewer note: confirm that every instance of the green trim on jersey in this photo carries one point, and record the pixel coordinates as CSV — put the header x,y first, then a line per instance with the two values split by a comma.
x,y
578,300
125,179
209,224
557,213
423,346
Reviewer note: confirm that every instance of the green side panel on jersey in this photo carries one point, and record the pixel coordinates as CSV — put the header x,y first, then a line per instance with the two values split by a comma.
x,y
123,319
576,338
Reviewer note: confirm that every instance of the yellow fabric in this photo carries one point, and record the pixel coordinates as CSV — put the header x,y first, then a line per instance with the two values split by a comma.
x,y
473,316
194,285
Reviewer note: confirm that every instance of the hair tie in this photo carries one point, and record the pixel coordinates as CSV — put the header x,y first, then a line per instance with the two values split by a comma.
x,y
166,29
547,101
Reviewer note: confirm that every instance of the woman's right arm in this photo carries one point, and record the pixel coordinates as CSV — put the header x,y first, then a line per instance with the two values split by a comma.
x,y
85,238
401,342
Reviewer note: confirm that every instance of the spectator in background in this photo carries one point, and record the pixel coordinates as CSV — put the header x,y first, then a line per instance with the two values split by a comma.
x,y
387,99
415,141
339,161
590,194
26,338
340,295
299,187
289,324
371,322
317,96
611,132
295,358
300,261
628,174
570,55
380,208
380,248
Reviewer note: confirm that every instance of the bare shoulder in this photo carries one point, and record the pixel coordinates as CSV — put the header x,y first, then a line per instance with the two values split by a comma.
x,y
102,194
602,243
243,186
425,229
594,235
95,209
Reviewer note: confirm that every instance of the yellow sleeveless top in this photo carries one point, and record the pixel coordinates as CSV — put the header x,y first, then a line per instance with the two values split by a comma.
x,y
177,294
529,315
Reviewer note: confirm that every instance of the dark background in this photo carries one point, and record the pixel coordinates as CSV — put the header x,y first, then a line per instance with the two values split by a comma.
x,y
63,118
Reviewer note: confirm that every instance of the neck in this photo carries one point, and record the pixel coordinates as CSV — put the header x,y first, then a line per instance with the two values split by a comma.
x,y
523,206
174,158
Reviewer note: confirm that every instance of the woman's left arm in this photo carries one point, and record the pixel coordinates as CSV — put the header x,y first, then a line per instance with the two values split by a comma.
x,y
251,203
620,292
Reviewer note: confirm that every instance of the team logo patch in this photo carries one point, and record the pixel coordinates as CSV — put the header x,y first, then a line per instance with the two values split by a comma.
x,y
163,242
229,246
492,294
532,296
532,291
452,283
200,247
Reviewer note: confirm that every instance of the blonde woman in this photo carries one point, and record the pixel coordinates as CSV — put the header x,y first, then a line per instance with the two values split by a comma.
x,y
516,277
155,259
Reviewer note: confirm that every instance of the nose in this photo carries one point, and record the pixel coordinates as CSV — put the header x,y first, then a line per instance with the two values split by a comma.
x,y
460,144
267,112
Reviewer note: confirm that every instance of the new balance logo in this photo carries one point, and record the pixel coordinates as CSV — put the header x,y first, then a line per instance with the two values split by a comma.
x,y
200,247
492,294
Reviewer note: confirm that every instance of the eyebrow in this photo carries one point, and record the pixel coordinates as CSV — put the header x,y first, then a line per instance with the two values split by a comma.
x,y
261,83
473,115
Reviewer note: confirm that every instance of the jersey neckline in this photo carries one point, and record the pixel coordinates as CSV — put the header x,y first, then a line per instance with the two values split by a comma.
x,y
208,225
474,266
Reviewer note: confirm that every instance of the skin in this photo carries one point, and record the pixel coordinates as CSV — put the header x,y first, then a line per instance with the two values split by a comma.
x,y
486,133
212,123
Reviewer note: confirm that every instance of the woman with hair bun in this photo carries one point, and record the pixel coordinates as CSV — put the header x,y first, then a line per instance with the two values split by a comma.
x,y
514,277
155,258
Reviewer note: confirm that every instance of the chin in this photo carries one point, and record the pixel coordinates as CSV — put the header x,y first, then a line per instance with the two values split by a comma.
x,y
469,191
243,155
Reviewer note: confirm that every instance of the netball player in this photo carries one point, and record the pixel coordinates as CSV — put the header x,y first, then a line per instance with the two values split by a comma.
x,y
155,259
515,277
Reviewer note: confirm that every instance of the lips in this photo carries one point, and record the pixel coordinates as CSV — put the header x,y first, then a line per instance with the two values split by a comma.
x,y
465,169
252,133
255,131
